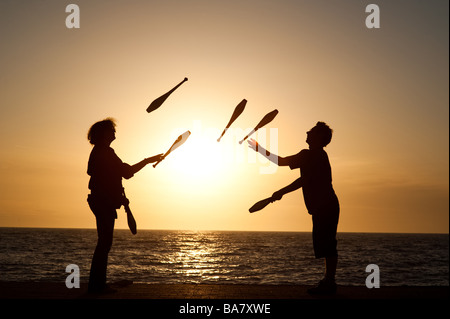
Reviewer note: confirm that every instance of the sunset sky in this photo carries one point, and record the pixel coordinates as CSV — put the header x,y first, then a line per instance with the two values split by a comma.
x,y
383,91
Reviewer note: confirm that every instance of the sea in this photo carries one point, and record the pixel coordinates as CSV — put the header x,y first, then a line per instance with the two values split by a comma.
x,y
224,257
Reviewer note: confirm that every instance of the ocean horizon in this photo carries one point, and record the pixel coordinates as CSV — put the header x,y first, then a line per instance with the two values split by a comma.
x,y
232,257
221,230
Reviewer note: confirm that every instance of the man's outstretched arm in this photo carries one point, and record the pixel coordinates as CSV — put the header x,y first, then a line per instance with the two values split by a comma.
x,y
278,160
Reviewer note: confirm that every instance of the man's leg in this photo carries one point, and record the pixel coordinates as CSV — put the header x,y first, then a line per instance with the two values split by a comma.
x,y
325,246
330,268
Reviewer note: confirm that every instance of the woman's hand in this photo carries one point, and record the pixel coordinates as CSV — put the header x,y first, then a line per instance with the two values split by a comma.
x,y
155,158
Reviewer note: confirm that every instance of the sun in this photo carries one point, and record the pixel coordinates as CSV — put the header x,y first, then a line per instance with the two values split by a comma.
x,y
200,159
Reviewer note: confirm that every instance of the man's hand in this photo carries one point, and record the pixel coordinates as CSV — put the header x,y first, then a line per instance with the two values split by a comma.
x,y
253,144
277,195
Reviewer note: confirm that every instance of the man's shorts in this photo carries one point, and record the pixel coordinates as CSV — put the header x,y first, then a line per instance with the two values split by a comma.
x,y
324,233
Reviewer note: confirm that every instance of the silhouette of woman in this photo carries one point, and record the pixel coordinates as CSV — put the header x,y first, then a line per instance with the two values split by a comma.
x,y
106,171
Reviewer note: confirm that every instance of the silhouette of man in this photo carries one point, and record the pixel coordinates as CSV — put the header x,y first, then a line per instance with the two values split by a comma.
x,y
319,196
106,170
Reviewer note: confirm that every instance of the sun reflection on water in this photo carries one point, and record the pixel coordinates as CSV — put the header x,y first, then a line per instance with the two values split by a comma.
x,y
196,256
215,257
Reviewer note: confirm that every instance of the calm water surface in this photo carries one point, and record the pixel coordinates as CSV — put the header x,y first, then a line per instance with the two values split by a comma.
x,y
223,257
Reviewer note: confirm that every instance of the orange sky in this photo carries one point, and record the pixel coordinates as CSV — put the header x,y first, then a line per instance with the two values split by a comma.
x,y
383,91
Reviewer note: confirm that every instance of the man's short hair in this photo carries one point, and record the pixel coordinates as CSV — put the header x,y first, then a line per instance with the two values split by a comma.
x,y
325,133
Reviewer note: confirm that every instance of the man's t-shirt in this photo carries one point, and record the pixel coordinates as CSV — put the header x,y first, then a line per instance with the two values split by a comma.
x,y
315,171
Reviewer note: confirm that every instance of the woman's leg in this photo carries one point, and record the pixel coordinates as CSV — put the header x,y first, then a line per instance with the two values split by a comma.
x,y
105,230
